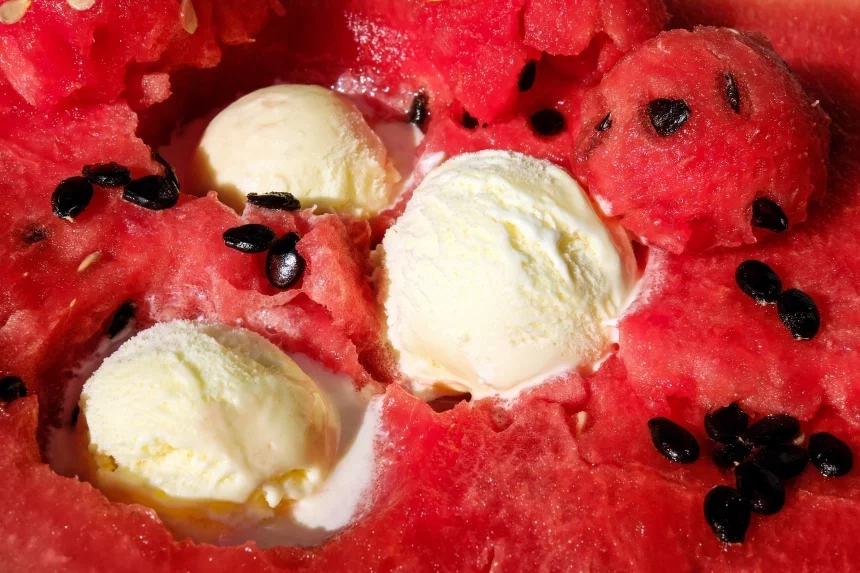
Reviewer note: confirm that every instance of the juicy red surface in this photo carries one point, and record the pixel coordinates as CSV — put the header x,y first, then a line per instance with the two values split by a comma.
x,y
480,487
693,189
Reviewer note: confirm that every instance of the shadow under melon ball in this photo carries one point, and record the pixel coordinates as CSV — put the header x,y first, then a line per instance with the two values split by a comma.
x,y
703,139
304,140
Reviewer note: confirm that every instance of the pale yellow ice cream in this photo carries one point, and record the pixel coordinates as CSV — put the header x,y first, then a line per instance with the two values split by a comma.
x,y
499,275
206,423
301,139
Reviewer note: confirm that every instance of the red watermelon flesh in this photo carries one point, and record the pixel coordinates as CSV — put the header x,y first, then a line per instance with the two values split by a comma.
x,y
693,189
477,488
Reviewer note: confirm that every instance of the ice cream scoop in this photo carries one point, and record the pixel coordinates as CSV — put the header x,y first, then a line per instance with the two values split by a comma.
x,y
499,275
301,139
206,423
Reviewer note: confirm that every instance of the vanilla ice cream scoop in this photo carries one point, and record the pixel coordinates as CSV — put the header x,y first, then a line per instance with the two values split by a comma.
x,y
196,420
500,274
301,139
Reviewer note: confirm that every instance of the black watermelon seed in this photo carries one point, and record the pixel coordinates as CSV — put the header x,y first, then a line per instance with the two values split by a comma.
x,y
281,201
830,455
152,192
107,174
34,234
469,121
419,111
773,429
250,238
169,172
733,96
673,441
759,281
725,424
605,123
668,115
12,388
284,265
763,489
731,455
73,421
547,122
768,215
728,514
121,318
71,197
527,76
785,461
798,313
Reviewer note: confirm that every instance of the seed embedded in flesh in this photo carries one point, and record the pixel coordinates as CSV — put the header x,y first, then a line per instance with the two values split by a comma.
x,y
250,238
798,313
547,122
527,76
107,174
121,318
731,455
725,424
605,123
34,234
668,115
768,215
759,281
284,265
773,429
71,197
469,121
830,455
673,441
764,491
153,192
728,514
12,388
733,96
785,461
169,172
280,201
419,111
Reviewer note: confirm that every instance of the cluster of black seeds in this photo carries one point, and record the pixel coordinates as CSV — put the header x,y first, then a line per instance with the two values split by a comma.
x,y
155,192
284,264
762,455
796,309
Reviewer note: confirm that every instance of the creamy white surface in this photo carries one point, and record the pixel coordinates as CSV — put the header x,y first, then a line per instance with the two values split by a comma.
x,y
302,139
499,275
200,413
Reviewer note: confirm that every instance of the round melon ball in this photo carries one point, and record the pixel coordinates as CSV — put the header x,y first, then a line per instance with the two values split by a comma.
x,y
208,424
499,275
703,139
301,139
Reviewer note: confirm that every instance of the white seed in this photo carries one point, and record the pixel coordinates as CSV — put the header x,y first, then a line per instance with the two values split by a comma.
x,y
581,420
798,441
72,304
88,260
81,5
189,16
12,11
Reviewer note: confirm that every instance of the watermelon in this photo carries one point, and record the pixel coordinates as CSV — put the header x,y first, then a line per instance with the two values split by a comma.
x,y
566,478
740,129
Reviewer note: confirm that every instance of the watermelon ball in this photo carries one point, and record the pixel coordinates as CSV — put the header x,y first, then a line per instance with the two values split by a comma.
x,y
703,139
